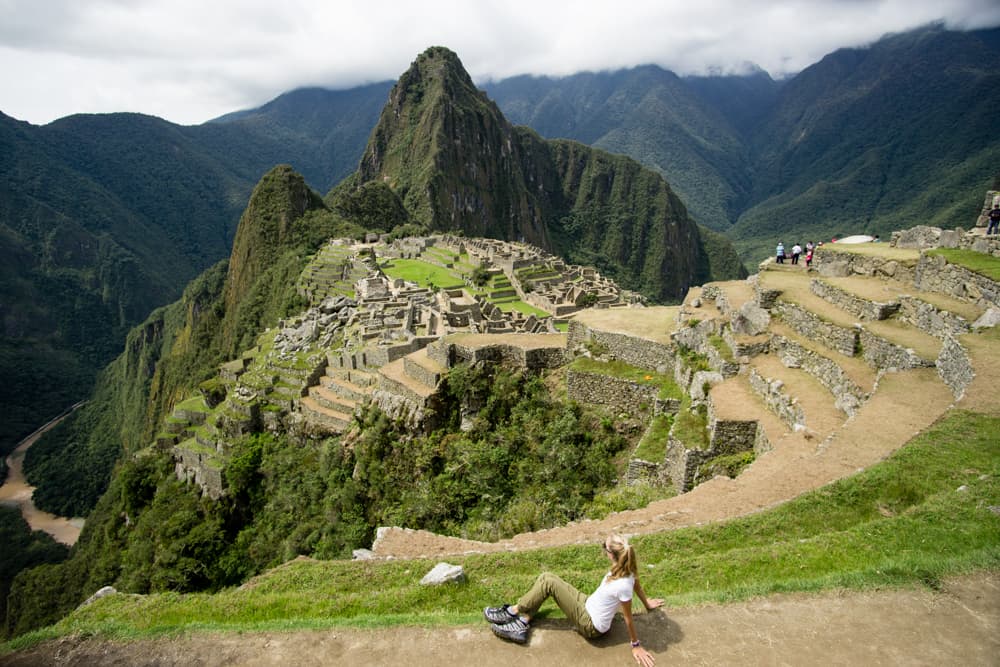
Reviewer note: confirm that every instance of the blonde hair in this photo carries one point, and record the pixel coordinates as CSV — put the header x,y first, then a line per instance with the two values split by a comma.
x,y
625,563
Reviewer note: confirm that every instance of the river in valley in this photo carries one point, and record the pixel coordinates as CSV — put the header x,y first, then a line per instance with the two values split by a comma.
x,y
15,492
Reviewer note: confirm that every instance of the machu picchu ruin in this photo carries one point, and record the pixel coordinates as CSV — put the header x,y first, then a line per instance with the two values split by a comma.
x,y
726,386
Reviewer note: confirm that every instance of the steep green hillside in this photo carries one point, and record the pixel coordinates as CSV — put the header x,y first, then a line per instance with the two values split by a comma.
x,y
457,163
181,344
84,257
105,217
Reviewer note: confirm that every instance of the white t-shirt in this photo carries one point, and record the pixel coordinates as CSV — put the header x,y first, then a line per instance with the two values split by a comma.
x,y
603,603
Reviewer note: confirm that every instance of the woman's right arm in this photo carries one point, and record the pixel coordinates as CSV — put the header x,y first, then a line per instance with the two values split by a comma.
x,y
648,603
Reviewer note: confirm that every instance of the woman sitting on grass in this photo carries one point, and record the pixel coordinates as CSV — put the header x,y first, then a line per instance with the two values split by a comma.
x,y
592,615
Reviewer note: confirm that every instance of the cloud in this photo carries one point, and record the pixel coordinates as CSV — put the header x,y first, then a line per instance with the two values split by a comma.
x,y
188,61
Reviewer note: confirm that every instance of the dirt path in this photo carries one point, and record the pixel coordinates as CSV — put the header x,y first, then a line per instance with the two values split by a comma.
x,y
16,492
958,625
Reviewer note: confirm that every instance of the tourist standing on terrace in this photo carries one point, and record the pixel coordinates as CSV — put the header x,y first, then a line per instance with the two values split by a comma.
x,y
994,226
591,615
796,251
779,253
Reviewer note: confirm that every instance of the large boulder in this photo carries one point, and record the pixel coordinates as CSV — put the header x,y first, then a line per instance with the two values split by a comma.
x,y
918,237
751,319
443,573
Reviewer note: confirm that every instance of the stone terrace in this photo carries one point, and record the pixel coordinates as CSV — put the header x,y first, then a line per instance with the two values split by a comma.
x,y
817,372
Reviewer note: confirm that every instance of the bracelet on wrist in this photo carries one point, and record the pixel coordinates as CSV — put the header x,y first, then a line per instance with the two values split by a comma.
x,y
636,643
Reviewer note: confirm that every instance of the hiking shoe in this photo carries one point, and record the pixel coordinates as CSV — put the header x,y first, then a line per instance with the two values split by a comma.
x,y
515,631
499,615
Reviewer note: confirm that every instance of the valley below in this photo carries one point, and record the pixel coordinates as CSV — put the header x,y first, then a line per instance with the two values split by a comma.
x,y
16,492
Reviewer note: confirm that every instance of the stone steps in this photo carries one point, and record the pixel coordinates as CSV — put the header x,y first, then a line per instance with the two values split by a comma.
x,y
795,396
335,421
346,388
422,368
394,379
330,399
883,344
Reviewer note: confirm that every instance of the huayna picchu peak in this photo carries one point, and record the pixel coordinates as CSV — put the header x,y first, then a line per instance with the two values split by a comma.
x,y
459,166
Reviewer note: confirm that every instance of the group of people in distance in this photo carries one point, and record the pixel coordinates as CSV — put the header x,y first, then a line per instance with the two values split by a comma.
x,y
780,253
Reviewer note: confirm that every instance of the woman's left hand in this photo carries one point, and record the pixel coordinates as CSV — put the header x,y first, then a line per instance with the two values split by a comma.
x,y
643,657
653,603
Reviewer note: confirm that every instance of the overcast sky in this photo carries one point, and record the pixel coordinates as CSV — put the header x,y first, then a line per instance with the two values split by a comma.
x,y
192,60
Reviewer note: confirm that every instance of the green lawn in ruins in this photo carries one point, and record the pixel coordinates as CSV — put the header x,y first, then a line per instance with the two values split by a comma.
x,y
977,262
422,273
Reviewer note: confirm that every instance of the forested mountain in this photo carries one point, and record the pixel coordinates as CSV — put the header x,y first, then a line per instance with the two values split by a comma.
x,y
867,140
871,140
592,206
457,164
105,217
653,116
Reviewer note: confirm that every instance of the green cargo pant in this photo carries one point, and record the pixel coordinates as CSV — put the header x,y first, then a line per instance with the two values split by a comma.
x,y
571,601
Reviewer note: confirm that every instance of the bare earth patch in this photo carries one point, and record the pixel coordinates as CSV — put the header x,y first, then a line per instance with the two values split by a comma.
x,y
956,625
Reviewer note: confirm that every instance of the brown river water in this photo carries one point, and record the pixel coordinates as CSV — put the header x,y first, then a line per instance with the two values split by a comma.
x,y
15,492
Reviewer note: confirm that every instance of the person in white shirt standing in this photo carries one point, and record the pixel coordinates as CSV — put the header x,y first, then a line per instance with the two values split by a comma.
x,y
592,615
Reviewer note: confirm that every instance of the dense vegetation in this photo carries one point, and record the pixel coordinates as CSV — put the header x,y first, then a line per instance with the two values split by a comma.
x,y
868,140
22,550
529,461
920,516
182,344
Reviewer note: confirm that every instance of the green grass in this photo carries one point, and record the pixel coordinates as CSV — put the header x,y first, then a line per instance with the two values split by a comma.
x,y
922,514
977,262
422,273
624,371
194,404
690,427
653,446
521,307
720,344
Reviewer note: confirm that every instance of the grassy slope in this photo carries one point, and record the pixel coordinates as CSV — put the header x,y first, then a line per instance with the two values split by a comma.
x,y
922,514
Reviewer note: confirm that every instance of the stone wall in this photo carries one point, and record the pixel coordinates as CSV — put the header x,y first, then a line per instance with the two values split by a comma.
x,y
447,354
838,264
837,338
202,468
719,361
421,373
642,471
636,351
987,245
863,308
955,367
934,274
681,464
786,407
747,347
930,319
849,396
880,353
625,395
397,406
